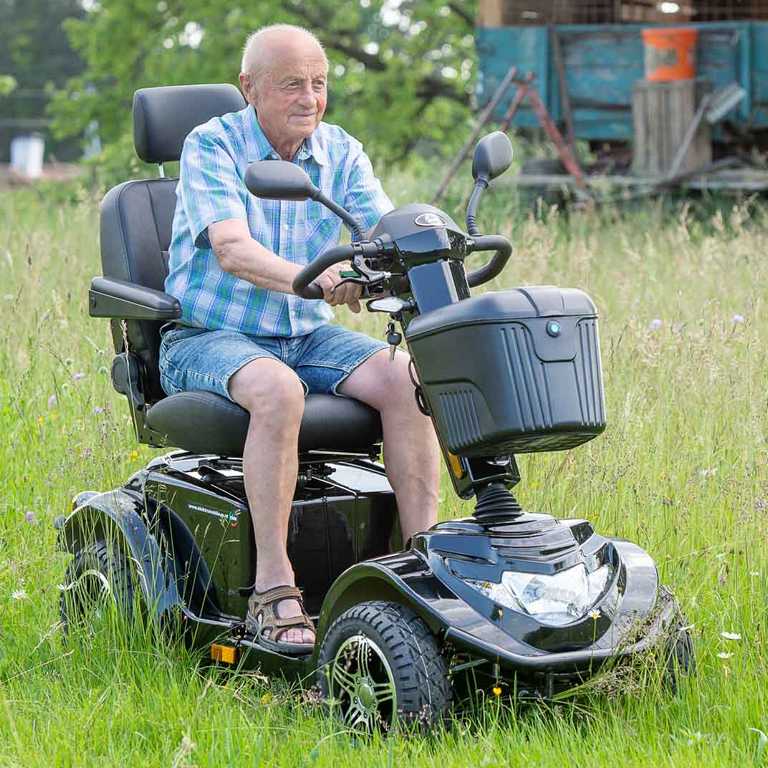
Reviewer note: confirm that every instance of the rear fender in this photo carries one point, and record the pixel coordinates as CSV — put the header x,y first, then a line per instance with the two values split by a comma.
x,y
118,516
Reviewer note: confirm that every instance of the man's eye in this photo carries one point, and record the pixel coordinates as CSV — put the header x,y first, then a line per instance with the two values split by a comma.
x,y
318,85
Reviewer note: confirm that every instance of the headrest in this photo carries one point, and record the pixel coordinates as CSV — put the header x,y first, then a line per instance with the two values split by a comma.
x,y
164,116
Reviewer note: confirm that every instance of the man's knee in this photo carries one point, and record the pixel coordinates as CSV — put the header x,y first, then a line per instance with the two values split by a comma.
x,y
269,389
382,382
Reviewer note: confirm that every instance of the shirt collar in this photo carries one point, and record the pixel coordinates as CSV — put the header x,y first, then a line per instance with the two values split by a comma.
x,y
257,145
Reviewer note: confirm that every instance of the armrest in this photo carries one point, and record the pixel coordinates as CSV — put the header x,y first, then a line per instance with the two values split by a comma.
x,y
109,297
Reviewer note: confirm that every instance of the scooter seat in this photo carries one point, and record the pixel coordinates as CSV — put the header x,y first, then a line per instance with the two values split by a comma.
x,y
203,422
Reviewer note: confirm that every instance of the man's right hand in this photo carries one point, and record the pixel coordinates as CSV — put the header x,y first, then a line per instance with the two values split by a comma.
x,y
335,292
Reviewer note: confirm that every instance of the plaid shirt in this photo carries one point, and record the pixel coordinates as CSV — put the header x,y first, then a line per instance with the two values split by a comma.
x,y
213,164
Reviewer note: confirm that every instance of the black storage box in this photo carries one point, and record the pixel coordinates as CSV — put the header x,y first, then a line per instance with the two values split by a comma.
x,y
512,372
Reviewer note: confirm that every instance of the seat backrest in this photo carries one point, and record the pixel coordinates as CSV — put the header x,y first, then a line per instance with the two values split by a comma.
x,y
136,219
136,216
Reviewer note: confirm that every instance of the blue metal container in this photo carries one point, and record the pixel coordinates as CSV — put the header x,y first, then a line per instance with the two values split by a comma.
x,y
603,61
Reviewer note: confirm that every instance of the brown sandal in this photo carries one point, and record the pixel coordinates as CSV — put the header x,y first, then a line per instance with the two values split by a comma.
x,y
266,626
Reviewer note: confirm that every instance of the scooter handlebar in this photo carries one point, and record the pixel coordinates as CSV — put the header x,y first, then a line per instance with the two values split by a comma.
x,y
302,284
503,249
304,287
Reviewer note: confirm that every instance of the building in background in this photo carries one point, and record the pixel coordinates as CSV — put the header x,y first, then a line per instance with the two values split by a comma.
x,y
588,56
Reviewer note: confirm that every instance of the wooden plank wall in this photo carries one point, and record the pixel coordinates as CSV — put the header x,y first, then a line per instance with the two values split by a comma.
x,y
662,114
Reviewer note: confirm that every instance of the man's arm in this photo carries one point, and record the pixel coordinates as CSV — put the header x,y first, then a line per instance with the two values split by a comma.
x,y
246,258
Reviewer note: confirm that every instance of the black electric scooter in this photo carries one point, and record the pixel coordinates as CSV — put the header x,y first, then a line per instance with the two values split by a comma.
x,y
516,600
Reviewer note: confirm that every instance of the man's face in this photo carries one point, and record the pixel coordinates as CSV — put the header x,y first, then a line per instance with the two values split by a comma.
x,y
290,98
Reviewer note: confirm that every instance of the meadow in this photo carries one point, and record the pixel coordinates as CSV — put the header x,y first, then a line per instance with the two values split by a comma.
x,y
682,469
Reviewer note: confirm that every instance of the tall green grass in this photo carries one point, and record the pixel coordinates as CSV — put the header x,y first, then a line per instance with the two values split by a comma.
x,y
681,470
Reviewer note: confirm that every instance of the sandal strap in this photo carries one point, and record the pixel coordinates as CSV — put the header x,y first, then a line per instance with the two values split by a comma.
x,y
265,603
276,594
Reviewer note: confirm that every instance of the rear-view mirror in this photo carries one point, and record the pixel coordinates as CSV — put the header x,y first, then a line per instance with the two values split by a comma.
x,y
493,155
279,180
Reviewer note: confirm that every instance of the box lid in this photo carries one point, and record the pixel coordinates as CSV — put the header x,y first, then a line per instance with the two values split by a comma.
x,y
497,306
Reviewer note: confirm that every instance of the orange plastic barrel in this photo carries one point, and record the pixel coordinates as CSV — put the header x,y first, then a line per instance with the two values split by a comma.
x,y
670,53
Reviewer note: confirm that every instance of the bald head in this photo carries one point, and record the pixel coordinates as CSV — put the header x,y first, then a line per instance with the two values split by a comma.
x,y
284,78
267,49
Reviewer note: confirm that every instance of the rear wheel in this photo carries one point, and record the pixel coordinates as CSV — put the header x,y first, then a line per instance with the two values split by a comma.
x,y
98,583
379,664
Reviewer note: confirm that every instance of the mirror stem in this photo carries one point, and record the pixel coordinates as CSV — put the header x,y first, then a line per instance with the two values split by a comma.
x,y
480,186
343,214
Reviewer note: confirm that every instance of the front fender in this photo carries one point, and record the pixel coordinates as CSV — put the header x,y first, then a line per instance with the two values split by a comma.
x,y
400,578
118,516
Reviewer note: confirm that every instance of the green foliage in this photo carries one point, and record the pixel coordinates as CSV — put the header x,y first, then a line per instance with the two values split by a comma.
x,y
7,84
399,80
34,48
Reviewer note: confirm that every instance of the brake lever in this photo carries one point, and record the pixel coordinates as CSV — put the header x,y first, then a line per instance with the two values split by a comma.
x,y
364,284
360,274
361,269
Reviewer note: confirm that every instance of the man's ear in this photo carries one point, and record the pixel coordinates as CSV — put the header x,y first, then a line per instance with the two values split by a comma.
x,y
245,86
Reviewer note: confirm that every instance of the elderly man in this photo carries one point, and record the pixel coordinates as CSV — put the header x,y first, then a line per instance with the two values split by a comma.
x,y
246,336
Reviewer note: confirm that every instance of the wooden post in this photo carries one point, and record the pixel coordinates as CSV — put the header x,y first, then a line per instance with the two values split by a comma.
x,y
662,114
490,13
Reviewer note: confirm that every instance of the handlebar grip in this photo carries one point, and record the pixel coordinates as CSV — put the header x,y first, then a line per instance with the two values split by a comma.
x,y
503,249
301,283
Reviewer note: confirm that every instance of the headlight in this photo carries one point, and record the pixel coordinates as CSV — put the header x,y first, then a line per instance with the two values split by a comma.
x,y
555,599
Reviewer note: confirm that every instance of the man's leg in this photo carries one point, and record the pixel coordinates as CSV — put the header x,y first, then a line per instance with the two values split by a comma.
x,y
273,395
411,451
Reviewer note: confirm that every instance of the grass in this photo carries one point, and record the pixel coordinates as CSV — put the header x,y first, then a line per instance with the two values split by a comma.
x,y
680,470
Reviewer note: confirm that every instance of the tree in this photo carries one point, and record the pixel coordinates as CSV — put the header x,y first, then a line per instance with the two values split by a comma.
x,y
7,85
400,70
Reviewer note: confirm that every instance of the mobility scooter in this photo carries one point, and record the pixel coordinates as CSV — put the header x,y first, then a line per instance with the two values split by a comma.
x,y
522,602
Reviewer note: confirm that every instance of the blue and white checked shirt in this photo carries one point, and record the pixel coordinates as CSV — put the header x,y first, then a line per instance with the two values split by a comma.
x,y
213,164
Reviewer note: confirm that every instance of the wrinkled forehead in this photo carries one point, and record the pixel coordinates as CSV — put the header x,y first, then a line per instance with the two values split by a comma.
x,y
292,58
301,69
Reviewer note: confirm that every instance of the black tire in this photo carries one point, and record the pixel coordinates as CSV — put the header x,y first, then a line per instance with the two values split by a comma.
x,y
98,578
398,652
680,660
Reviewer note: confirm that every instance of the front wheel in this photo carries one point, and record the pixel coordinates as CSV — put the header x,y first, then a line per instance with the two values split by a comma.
x,y
380,664
680,661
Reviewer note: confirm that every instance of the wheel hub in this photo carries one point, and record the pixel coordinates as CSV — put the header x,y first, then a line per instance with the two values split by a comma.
x,y
362,684
365,694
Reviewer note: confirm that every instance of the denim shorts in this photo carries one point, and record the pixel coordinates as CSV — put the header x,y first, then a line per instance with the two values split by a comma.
x,y
201,359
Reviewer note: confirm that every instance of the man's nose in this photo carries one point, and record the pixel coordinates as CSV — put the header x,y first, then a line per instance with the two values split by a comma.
x,y
307,94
